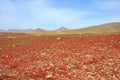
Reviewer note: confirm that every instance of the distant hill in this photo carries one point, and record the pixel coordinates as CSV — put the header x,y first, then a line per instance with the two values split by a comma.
x,y
39,30
62,28
104,28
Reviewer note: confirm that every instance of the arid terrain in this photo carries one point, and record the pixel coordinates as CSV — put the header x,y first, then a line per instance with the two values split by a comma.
x,y
74,57
60,57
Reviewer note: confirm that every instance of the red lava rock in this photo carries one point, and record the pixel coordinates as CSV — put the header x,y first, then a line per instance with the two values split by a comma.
x,y
75,57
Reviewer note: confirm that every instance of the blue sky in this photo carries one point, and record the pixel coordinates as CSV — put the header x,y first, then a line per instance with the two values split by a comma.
x,y
52,14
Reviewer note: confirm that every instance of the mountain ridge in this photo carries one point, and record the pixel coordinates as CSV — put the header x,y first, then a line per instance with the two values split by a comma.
x,y
113,27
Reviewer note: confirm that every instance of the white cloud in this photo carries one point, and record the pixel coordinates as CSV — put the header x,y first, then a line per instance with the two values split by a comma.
x,y
48,13
35,13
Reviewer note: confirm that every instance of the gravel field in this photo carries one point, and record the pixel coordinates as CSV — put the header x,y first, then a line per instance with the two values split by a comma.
x,y
75,57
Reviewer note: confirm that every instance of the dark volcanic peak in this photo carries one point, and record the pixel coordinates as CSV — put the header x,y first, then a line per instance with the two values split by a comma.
x,y
39,29
62,28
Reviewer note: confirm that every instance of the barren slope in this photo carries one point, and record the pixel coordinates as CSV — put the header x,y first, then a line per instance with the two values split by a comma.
x,y
104,28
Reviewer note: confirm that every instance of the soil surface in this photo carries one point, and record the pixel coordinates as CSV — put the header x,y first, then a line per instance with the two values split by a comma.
x,y
75,57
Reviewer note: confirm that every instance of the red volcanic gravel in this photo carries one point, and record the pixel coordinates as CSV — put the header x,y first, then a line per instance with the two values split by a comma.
x,y
75,57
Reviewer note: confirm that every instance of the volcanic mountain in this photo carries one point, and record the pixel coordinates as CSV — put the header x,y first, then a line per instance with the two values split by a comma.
x,y
39,30
62,28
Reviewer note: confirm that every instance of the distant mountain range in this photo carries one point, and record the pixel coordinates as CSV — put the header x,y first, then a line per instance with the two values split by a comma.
x,y
104,28
19,30
16,30
2,30
22,30
33,30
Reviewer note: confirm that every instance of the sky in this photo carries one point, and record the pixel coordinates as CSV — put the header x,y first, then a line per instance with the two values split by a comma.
x,y
52,14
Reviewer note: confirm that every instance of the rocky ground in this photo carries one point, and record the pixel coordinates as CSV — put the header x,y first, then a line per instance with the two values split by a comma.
x,y
76,57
